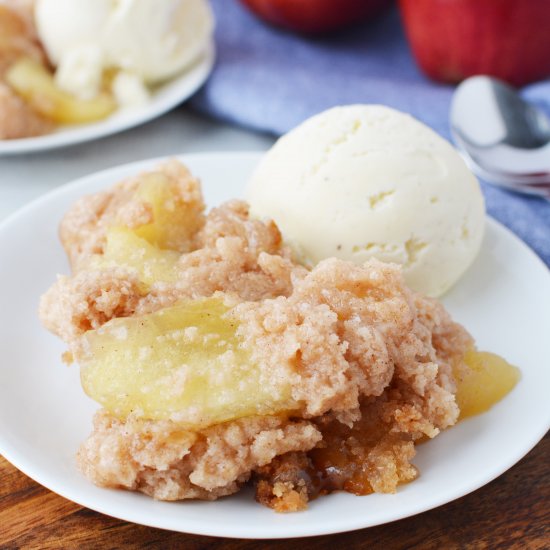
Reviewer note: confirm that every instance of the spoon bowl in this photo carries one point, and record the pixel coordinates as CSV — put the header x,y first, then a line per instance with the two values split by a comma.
x,y
505,140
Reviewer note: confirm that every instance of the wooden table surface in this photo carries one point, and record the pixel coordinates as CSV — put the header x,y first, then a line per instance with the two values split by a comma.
x,y
511,512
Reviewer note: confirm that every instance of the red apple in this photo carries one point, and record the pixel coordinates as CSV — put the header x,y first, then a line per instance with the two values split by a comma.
x,y
454,39
315,16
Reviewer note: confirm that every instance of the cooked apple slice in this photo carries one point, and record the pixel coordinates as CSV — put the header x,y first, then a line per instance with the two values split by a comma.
x,y
123,248
175,217
184,363
150,249
483,380
36,85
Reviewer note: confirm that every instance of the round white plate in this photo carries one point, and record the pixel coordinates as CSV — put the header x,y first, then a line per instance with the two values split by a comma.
x,y
163,98
504,300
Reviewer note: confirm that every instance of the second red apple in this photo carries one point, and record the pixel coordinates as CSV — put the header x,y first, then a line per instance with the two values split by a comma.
x,y
454,39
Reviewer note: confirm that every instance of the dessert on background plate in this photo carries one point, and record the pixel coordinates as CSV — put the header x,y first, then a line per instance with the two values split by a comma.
x,y
67,63
219,360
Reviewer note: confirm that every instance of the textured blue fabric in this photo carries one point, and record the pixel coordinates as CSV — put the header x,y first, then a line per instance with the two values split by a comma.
x,y
271,80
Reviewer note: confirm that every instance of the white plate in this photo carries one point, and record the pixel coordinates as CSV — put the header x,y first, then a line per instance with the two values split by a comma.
x,y
164,98
504,300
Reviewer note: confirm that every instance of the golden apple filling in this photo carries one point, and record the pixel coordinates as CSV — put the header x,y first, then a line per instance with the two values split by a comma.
x,y
184,363
218,360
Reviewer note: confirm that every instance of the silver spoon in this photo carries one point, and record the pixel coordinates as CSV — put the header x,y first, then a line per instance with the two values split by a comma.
x,y
504,139
539,187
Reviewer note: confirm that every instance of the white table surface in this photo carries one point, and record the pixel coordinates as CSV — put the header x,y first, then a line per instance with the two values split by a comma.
x,y
25,177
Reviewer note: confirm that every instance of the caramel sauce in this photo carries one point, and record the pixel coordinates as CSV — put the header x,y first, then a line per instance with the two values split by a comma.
x,y
340,465
352,457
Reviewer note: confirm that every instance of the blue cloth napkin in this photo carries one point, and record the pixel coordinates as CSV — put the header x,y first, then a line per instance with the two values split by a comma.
x,y
271,80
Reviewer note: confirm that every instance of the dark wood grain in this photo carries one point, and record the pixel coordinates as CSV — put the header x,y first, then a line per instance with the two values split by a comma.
x,y
511,512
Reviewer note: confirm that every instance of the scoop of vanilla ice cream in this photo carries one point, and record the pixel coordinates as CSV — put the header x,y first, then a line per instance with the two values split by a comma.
x,y
365,181
151,39
156,39
80,71
64,25
129,90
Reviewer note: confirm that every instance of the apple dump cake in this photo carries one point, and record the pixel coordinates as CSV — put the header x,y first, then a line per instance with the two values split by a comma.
x,y
72,63
219,361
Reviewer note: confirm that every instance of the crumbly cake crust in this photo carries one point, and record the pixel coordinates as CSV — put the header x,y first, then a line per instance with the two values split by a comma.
x,y
17,119
167,463
18,39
